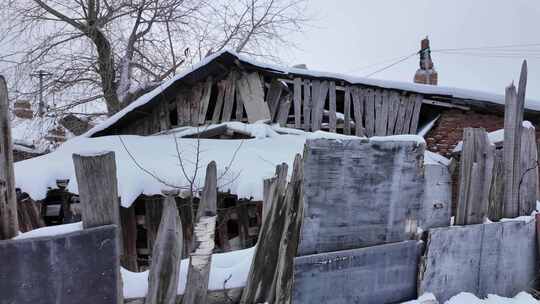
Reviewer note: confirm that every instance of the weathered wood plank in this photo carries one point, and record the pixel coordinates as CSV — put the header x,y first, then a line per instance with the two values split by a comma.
x,y
528,183
259,286
402,109
194,103
392,112
228,99
372,275
297,96
381,112
129,239
200,260
284,110
273,96
219,101
205,100
332,106
495,211
307,105
166,257
408,114
9,226
98,189
347,111
358,106
416,113
369,107
250,90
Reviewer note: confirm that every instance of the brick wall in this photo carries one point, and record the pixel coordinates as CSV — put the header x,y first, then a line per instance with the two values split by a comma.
x,y
448,130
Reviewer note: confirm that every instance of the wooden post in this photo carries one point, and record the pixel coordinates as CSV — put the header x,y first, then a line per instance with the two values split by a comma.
x,y
332,106
476,169
200,260
528,182
129,238
513,117
98,189
166,256
9,225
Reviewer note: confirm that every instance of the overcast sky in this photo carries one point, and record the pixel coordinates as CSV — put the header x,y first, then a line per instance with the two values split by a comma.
x,y
347,35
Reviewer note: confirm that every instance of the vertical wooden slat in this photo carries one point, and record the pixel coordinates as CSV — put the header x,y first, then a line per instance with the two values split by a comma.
x,y
528,183
392,112
219,101
228,100
9,226
369,106
495,212
166,257
239,108
297,96
273,96
318,105
129,238
307,104
401,112
358,106
381,112
416,113
205,100
332,106
153,209
284,110
347,111
250,90
315,92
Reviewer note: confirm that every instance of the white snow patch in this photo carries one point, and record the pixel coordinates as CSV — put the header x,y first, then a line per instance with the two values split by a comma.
x,y
468,298
50,231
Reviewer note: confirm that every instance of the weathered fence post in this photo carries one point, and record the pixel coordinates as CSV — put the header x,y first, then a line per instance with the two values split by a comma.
x,y
476,169
98,194
513,117
9,224
528,177
166,256
200,260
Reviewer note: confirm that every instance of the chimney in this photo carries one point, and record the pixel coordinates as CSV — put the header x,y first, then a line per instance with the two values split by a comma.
x,y
426,74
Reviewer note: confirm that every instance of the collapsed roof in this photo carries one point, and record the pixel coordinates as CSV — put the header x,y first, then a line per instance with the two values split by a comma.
x,y
223,60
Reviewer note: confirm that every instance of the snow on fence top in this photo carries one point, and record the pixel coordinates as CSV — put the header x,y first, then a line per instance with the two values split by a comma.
x,y
464,94
242,164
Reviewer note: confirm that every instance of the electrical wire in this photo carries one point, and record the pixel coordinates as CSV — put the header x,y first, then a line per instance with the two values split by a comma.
x,y
391,65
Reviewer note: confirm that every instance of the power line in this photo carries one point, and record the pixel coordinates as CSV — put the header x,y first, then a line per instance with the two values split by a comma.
x,y
376,64
391,65
488,47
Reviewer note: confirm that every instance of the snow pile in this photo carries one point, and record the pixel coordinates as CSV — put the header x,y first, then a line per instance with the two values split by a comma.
x,y
50,231
242,164
29,134
468,298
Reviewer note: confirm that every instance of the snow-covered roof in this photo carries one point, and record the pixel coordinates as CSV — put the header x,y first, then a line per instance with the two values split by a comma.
x,y
477,97
242,164
30,135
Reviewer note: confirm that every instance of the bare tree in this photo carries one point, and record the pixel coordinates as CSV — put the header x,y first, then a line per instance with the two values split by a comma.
x,y
116,51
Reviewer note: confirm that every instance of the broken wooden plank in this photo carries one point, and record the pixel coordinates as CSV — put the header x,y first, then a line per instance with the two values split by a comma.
x,y
369,107
358,106
219,101
166,256
297,96
418,99
228,99
284,110
273,96
528,183
347,111
9,226
200,259
251,92
332,106
307,105
98,189
205,100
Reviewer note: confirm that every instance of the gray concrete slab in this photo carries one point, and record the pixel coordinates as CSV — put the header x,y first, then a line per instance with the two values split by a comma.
x,y
378,274
79,267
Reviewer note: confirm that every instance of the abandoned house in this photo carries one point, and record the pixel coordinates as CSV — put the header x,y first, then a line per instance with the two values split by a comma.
x,y
254,116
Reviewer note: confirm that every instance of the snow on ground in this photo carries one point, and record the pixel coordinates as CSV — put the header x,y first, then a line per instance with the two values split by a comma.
x,y
468,298
242,164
